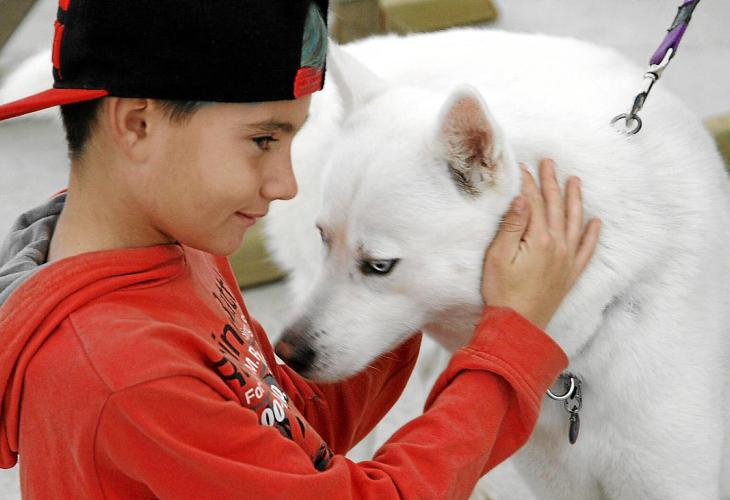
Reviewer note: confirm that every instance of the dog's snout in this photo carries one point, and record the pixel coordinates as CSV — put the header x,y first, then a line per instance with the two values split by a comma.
x,y
299,357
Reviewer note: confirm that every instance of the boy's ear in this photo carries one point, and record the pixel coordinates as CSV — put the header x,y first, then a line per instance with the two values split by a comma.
x,y
128,125
355,83
471,141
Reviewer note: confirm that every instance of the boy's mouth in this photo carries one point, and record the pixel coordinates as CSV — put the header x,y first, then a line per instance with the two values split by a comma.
x,y
248,219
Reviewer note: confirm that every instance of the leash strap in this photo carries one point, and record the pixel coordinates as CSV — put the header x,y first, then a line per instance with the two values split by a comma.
x,y
675,31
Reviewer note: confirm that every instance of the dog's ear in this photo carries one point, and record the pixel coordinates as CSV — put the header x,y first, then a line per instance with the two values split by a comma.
x,y
471,141
355,83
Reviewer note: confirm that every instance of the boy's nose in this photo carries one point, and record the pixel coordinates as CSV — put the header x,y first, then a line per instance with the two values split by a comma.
x,y
281,185
300,357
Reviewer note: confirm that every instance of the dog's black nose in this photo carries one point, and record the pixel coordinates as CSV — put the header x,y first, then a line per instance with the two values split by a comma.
x,y
300,358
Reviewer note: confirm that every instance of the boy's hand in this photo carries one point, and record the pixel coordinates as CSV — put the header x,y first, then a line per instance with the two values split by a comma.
x,y
541,248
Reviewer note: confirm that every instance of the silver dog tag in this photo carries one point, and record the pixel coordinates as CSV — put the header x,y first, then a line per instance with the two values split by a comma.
x,y
574,428
573,405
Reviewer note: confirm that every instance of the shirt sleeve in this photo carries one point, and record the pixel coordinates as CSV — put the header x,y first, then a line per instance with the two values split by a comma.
x,y
343,413
181,438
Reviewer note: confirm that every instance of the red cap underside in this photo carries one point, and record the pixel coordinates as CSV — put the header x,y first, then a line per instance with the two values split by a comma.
x,y
47,99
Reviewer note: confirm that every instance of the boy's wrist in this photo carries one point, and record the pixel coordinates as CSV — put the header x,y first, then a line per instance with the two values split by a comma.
x,y
505,334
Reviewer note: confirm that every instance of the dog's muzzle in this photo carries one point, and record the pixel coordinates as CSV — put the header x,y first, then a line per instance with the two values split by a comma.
x,y
298,357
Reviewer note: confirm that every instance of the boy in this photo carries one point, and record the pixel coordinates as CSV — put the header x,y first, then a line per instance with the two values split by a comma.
x,y
130,366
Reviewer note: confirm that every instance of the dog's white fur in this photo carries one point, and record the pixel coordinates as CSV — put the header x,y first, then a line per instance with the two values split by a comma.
x,y
646,326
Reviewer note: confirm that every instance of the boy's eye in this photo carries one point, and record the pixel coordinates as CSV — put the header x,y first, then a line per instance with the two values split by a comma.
x,y
264,143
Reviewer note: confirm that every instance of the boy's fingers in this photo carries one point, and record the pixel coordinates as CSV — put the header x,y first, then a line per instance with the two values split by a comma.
x,y
588,244
553,198
513,227
573,213
537,224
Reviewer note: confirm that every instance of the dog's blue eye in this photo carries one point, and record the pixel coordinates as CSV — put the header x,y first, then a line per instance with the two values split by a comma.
x,y
378,267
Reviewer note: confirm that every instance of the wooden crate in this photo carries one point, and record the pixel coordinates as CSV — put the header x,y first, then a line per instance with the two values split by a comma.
x,y
354,19
407,16
252,263
12,12
719,126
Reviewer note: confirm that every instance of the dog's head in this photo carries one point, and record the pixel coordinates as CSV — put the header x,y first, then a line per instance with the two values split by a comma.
x,y
415,188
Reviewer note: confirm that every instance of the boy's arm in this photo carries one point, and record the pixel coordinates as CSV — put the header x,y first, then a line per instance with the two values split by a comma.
x,y
343,413
183,439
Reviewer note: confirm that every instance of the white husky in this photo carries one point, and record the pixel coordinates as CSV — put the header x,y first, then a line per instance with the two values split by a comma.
x,y
415,167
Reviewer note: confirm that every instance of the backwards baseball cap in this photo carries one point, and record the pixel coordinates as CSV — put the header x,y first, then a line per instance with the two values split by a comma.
x,y
204,50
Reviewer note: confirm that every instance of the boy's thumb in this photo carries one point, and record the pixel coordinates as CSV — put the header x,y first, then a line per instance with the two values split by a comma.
x,y
514,225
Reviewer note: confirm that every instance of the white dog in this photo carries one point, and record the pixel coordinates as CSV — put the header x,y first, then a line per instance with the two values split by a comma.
x,y
416,166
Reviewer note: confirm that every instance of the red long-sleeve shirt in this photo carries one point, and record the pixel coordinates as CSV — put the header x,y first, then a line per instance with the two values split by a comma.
x,y
138,373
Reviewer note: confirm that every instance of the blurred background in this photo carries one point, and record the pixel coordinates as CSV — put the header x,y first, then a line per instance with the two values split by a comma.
x,y
32,151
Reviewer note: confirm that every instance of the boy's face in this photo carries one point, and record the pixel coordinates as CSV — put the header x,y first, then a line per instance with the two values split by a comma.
x,y
227,160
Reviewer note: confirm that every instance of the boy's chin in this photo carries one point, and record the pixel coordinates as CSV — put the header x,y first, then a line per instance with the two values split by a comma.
x,y
226,247
229,250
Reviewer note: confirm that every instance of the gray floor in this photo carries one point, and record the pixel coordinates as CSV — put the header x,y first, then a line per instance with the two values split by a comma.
x,y
33,166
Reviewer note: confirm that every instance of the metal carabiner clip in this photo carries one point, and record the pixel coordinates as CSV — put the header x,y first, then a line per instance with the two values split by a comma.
x,y
569,388
632,121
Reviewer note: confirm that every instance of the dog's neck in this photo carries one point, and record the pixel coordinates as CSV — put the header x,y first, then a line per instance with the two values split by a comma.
x,y
454,326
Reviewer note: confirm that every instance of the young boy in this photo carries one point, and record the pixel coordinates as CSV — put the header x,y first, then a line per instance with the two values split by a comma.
x,y
130,367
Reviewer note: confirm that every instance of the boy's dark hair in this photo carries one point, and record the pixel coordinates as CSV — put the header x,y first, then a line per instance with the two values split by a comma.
x,y
79,120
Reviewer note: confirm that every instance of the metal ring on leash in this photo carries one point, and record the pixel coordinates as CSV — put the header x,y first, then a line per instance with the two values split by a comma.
x,y
659,62
565,396
627,118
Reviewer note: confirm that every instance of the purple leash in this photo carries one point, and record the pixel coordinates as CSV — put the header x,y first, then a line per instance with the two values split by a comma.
x,y
657,64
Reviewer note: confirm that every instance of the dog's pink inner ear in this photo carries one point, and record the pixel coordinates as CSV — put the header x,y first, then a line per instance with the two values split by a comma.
x,y
469,139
